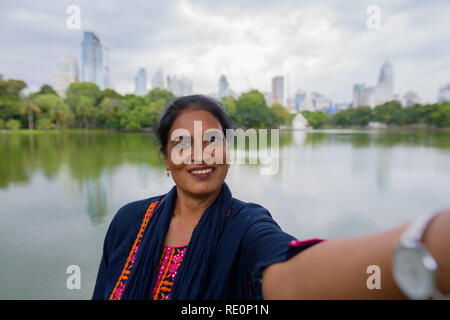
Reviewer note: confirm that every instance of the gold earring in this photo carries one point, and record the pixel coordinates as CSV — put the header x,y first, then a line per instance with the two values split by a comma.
x,y
168,173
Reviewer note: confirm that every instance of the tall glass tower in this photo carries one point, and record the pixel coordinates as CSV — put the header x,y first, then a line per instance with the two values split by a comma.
x,y
141,83
278,90
224,88
94,60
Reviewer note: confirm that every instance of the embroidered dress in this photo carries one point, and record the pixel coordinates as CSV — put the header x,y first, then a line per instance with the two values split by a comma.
x,y
171,259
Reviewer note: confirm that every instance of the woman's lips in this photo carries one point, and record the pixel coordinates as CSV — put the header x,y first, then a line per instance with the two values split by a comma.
x,y
202,172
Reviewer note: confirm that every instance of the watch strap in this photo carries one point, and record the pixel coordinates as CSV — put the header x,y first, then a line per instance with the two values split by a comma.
x,y
417,227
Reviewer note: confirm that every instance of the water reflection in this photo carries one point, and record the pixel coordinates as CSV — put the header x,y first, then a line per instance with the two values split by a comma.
x,y
89,159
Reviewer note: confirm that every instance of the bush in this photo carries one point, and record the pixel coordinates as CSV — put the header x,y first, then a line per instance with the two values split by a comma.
x,y
133,126
12,124
2,123
316,119
44,123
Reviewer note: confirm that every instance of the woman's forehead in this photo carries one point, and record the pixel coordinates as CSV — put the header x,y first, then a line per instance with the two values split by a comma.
x,y
188,119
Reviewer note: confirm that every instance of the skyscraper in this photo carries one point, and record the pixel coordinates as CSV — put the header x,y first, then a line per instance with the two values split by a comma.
x,y
95,60
410,98
179,86
278,90
384,90
158,79
358,94
224,87
141,83
378,94
444,93
66,73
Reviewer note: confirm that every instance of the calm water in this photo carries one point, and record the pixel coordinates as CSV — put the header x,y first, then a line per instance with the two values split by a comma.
x,y
59,192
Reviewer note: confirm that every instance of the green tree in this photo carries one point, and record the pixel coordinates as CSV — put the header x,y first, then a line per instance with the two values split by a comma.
x,y
281,113
160,94
12,124
55,107
86,89
60,112
83,99
362,116
412,114
441,116
109,111
230,105
388,113
316,119
343,118
85,109
253,112
153,112
10,97
29,108
109,93
47,89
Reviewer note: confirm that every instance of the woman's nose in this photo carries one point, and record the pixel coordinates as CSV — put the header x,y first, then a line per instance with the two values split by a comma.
x,y
197,152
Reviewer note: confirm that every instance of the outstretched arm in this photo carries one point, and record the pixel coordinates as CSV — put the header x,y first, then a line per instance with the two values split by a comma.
x,y
336,269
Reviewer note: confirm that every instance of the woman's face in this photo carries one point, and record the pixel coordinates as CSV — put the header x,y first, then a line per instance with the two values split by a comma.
x,y
198,167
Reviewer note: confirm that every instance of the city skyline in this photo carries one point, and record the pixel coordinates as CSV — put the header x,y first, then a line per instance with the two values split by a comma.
x,y
324,48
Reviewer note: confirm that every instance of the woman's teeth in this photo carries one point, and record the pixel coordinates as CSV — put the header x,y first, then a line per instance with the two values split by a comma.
x,y
202,171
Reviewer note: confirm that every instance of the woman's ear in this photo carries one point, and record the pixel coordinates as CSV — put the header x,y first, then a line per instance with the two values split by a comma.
x,y
166,161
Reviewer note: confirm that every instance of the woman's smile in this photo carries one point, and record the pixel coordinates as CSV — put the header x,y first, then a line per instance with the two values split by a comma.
x,y
202,172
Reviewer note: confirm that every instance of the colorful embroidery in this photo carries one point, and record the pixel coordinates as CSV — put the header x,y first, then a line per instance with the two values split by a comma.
x,y
121,283
171,259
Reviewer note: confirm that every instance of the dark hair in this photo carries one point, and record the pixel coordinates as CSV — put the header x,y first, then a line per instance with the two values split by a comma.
x,y
192,102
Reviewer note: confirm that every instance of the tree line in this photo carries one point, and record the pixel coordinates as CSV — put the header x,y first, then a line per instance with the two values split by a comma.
x,y
86,106
390,114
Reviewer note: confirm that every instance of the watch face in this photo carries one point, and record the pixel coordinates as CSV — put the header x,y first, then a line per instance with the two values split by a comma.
x,y
414,270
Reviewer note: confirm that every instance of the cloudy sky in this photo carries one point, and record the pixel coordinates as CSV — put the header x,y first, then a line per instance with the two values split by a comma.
x,y
322,46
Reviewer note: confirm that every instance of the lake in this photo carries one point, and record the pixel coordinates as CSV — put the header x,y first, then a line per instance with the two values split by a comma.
x,y
59,192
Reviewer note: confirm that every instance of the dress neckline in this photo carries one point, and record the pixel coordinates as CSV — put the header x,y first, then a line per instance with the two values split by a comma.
x,y
175,247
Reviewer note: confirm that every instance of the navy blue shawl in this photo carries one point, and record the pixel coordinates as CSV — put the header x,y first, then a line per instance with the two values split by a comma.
x,y
225,258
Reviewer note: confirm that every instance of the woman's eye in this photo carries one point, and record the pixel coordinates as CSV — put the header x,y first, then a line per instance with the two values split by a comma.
x,y
212,139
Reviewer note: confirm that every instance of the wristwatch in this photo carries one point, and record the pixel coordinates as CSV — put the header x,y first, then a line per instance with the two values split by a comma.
x,y
414,269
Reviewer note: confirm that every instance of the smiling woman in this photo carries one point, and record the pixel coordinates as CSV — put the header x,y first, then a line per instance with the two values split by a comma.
x,y
199,242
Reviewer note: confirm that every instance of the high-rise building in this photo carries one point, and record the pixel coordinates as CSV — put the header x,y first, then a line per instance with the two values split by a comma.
x,y
278,90
320,102
141,83
410,98
179,86
303,101
66,73
158,79
358,94
224,87
95,64
444,93
382,92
